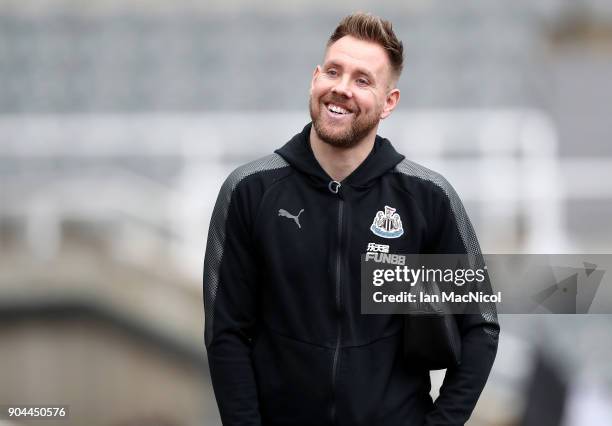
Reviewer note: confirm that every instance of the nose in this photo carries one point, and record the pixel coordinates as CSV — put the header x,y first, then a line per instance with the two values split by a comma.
x,y
342,87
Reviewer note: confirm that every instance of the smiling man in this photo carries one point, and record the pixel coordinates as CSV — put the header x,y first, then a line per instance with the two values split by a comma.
x,y
286,341
352,91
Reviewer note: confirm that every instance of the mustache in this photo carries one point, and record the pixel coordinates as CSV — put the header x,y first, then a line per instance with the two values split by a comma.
x,y
340,101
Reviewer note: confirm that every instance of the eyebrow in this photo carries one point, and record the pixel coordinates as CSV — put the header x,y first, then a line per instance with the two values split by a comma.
x,y
359,70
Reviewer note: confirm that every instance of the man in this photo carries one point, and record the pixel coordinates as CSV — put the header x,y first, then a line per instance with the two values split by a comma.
x,y
287,343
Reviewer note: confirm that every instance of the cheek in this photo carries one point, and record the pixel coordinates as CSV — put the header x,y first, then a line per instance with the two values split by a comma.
x,y
369,102
315,99
315,95
381,102
319,89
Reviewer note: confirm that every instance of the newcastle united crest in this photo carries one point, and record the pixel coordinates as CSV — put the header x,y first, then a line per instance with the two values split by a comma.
x,y
387,224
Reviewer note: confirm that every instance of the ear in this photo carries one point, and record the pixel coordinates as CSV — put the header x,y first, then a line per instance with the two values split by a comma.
x,y
315,74
391,102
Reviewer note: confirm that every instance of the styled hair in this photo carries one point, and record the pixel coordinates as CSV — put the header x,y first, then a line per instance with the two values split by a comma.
x,y
368,27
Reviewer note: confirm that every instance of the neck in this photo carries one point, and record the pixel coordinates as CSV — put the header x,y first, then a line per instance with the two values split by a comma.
x,y
339,163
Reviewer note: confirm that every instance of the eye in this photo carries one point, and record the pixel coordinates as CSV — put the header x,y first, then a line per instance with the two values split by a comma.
x,y
332,72
363,81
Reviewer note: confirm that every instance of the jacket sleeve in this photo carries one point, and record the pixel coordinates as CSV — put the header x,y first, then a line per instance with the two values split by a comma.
x,y
462,385
230,293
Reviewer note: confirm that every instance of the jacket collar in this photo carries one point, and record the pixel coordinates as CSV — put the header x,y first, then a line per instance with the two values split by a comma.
x,y
298,153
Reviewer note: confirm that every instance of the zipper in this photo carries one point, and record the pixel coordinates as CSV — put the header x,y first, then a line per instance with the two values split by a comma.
x,y
334,187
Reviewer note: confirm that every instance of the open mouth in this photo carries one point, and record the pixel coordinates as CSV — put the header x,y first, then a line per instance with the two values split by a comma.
x,y
337,110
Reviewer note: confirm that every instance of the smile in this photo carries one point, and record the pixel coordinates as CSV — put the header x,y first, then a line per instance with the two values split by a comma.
x,y
337,111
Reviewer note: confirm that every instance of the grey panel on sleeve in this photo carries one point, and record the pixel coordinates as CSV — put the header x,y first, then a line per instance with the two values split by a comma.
x,y
216,232
410,168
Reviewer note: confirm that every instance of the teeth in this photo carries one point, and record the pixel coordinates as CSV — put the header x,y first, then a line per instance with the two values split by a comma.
x,y
337,109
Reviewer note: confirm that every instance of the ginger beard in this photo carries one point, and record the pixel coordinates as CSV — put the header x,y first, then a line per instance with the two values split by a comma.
x,y
341,134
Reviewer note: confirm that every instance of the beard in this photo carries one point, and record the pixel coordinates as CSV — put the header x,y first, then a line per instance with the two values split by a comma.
x,y
346,136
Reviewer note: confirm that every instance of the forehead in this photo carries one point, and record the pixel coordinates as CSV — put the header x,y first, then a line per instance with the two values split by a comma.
x,y
352,52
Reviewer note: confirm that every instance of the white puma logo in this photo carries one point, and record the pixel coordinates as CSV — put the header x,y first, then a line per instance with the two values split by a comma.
x,y
285,213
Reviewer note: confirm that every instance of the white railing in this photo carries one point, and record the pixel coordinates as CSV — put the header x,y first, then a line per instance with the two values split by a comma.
x,y
503,163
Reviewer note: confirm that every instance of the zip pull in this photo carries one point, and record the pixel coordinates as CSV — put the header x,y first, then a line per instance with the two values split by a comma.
x,y
334,186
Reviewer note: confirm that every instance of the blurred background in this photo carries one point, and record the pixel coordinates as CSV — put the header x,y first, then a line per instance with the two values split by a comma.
x,y
120,120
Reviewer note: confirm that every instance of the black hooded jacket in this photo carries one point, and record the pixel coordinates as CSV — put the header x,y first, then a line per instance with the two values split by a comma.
x,y
286,341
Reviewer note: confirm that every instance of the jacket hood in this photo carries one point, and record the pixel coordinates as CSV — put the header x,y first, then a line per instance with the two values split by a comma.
x,y
298,153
